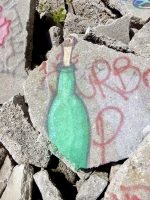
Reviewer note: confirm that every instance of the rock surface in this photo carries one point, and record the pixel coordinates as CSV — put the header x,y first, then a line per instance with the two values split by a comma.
x,y
132,180
112,86
140,43
19,137
68,173
5,173
92,188
3,154
128,7
19,186
46,187
93,11
75,24
113,171
15,45
56,35
118,29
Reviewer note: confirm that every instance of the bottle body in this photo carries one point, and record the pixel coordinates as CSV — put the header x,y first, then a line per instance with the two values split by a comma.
x,y
68,125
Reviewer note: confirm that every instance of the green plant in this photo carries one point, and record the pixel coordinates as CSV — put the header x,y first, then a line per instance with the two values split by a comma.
x,y
59,15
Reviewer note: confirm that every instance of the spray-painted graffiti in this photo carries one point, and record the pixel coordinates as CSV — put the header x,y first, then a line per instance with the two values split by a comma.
x,y
130,192
143,4
12,48
121,79
4,27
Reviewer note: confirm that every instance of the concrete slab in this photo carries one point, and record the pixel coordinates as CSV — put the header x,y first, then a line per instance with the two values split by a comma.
x,y
114,88
133,8
132,180
16,20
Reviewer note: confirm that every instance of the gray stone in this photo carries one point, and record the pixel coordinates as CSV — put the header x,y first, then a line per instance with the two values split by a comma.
x,y
113,171
19,186
112,87
84,174
94,11
15,45
47,5
68,173
118,30
127,7
140,43
19,137
56,36
46,187
75,24
132,180
92,188
5,173
3,154
103,39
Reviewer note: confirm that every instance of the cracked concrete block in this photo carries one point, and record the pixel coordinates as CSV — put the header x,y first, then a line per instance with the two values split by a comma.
x,y
19,186
118,29
132,180
46,187
15,45
68,173
113,171
132,7
114,88
75,24
140,43
19,137
3,154
94,11
5,173
92,188
56,36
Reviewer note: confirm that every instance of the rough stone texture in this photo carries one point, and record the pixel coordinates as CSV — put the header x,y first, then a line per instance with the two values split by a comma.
x,y
19,186
3,154
118,30
15,45
68,173
5,173
127,7
75,24
107,41
46,187
50,5
132,180
56,35
112,85
92,188
19,137
94,11
113,171
140,43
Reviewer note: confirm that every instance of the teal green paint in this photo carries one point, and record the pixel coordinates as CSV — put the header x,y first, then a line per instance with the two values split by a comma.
x,y
68,126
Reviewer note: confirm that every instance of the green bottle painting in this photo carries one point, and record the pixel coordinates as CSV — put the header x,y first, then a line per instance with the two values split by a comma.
x,y
68,125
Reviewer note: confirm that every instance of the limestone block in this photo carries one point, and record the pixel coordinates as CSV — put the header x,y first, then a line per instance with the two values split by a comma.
x,y
46,187
19,137
132,180
19,186
5,173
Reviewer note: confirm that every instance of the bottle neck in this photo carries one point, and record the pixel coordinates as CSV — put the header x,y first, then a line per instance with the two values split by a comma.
x,y
66,82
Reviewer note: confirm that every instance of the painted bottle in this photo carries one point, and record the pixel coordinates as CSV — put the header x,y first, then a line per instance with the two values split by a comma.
x,y
68,125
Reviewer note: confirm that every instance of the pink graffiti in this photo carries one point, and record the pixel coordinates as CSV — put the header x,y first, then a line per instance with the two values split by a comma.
x,y
4,27
127,189
100,129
